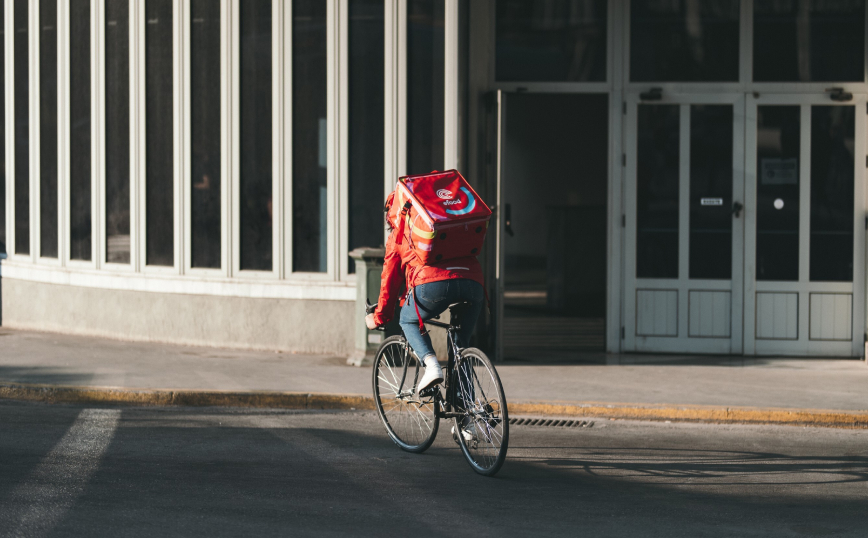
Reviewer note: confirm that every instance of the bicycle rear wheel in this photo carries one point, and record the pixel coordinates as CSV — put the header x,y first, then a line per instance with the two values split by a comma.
x,y
479,394
409,420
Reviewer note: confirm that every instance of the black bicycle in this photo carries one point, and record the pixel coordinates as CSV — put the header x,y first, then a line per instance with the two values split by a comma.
x,y
471,394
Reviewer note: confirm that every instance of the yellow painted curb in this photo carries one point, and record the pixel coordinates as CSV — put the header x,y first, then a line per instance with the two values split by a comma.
x,y
302,400
697,413
194,398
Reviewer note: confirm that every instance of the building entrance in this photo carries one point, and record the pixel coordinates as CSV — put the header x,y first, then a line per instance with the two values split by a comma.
x,y
744,224
552,195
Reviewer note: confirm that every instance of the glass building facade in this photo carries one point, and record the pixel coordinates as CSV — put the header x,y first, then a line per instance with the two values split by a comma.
x,y
673,176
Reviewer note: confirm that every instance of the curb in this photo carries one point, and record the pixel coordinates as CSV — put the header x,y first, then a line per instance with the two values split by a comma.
x,y
182,397
301,400
698,413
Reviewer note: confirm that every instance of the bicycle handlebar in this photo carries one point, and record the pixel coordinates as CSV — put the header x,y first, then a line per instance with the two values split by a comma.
x,y
369,309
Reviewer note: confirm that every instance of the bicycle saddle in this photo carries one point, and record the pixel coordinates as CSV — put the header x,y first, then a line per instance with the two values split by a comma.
x,y
459,304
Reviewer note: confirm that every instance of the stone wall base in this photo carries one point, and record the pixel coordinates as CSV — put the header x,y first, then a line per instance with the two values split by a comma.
x,y
306,326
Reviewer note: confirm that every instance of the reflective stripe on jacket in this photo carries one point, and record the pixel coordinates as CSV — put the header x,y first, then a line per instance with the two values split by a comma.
x,y
401,266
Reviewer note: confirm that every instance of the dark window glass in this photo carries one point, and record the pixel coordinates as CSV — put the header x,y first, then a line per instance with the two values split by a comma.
x,y
366,31
256,167
117,130
694,41
48,128
205,165
657,192
809,40
2,131
79,141
425,55
159,160
557,41
833,130
309,131
711,191
22,131
777,193
554,262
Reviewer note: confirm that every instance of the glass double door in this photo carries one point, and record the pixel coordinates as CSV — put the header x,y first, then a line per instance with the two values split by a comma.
x,y
743,225
684,165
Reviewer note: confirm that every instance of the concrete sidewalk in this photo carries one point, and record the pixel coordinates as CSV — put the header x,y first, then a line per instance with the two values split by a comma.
x,y
55,367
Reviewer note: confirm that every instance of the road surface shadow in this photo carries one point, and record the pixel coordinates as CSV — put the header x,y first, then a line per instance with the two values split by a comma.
x,y
218,473
41,375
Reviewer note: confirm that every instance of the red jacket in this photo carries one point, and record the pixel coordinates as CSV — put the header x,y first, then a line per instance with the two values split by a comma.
x,y
402,266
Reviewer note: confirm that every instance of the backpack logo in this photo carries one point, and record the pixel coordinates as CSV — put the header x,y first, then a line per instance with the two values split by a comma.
x,y
471,204
445,194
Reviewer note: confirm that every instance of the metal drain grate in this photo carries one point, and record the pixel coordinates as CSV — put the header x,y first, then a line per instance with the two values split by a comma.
x,y
551,422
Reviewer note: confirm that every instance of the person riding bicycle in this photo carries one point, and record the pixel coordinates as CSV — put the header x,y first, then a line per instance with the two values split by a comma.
x,y
431,289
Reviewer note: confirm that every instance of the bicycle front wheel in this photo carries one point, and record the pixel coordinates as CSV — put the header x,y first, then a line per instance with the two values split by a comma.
x,y
483,431
410,420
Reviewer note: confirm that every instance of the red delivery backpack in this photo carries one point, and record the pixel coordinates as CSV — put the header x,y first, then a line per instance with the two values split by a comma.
x,y
439,215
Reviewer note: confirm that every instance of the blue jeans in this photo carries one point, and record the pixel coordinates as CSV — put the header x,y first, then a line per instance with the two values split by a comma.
x,y
433,298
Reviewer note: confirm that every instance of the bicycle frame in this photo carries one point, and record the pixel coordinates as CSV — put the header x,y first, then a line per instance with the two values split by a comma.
x,y
443,407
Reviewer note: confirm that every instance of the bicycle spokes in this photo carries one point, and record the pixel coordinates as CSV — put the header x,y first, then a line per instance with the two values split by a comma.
x,y
483,424
409,418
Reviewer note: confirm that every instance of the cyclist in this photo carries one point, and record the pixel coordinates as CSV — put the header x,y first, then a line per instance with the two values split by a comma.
x,y
430,290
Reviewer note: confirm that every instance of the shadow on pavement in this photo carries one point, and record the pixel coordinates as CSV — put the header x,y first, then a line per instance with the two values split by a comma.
x,y
718,467
223,473
40,375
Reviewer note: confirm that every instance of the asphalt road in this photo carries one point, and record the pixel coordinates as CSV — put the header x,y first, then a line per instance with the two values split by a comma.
x,y
74,471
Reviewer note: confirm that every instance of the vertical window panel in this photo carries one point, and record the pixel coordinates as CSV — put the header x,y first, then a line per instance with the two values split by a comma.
x,y
309,137
711,191
256,133
809,41
657,178
833,140
205,116
555,41
80,130
48,128
684,41
425,85
159,120
366,108
22,129
777,192
117,130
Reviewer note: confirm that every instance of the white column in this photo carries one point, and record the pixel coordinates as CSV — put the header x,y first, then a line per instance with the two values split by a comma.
x,y
392,150
450,90
9,134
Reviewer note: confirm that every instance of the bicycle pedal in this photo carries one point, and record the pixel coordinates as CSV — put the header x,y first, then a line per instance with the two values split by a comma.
x,y
430,391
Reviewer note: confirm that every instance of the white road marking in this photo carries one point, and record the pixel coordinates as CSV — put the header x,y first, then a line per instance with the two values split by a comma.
x,y
60,478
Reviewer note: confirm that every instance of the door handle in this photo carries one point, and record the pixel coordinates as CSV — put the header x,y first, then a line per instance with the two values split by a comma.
x,y
507,217
736,209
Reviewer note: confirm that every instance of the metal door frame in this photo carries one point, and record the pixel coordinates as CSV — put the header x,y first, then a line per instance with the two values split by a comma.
x,y
681,342
500,226
803,345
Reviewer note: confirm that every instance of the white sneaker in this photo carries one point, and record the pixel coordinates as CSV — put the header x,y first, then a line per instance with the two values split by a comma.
x,y
468,432
433,373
